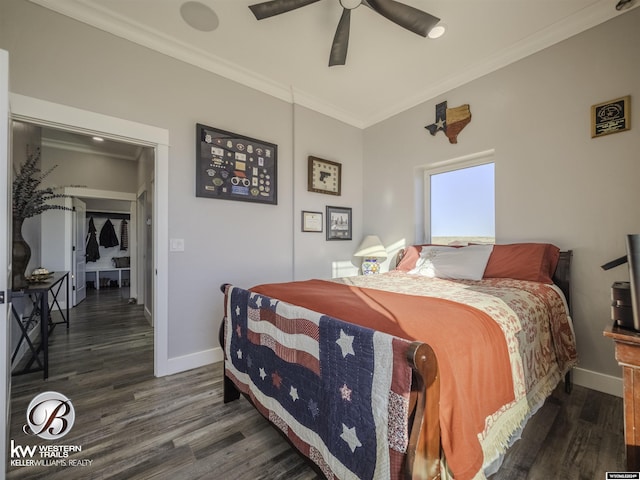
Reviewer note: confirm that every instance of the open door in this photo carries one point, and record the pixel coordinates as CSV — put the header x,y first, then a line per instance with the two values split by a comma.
x,y
78,253
5,262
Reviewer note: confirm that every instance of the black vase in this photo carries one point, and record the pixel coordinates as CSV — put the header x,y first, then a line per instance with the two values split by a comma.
x,y
20,256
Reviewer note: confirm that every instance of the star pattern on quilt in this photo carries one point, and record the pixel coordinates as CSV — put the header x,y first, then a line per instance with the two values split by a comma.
x,y
238,311
293,393
346,344
276,379
345,392
349,436
331,360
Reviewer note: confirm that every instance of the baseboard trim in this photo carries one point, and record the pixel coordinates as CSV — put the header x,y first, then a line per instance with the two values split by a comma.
x,y
598,381
148,316
194,360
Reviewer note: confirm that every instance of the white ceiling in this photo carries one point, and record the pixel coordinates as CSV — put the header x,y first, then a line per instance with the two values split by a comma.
x,y
388,69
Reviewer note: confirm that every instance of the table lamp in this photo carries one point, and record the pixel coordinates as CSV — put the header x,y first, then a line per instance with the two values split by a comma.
x,y
372,252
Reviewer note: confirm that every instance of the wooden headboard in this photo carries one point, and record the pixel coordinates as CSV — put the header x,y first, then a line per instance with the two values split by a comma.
x,y
562,276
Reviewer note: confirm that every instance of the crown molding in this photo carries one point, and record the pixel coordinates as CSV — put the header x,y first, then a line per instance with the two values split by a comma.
x,y
587,18
91,13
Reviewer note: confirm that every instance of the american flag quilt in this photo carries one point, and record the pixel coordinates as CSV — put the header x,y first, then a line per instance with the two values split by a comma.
x,y
340,392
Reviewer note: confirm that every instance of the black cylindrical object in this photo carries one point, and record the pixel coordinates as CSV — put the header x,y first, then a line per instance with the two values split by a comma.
x,y
633,256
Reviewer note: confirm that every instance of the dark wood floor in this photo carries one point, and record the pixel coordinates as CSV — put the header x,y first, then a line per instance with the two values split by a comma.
x,y
132,425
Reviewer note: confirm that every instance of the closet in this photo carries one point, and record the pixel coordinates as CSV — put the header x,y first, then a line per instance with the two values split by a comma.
x,y
108,262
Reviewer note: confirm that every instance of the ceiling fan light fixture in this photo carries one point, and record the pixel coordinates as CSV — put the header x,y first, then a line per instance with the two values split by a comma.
x,y
350,4
437,31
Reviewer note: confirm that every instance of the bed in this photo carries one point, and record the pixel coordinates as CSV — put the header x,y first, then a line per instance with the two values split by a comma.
x,y
428,371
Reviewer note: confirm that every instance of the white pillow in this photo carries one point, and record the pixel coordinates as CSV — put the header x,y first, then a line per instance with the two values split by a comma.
x,y
463,263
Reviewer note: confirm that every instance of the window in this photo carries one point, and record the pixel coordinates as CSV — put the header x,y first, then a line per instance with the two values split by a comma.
x,y
461,203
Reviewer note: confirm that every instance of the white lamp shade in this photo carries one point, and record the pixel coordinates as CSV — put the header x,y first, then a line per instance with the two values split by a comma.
x,y
371,247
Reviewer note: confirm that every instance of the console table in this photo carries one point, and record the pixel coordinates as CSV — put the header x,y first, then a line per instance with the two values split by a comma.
x,y
44,296
627,346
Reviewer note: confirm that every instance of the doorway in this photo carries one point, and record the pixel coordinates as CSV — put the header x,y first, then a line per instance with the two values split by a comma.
x,y
62,117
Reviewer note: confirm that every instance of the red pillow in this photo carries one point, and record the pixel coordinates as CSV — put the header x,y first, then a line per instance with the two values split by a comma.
x,y
523,261
411,255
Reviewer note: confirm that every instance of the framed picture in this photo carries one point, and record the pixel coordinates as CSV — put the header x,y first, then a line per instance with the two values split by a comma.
x,y
311,221
611,117
235,167
324,176
338,223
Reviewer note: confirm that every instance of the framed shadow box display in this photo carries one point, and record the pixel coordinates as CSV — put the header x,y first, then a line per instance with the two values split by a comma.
x,y
235,167
338,223
324,176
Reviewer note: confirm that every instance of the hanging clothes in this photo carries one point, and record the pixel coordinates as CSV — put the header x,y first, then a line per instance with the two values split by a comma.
x,y
108,237
92,250
124,236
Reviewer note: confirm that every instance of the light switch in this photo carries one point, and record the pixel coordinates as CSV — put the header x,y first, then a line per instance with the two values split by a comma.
x,y
176,244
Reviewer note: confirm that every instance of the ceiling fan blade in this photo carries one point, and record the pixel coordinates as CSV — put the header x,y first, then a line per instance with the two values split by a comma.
x,y
340,43
276,7
406,16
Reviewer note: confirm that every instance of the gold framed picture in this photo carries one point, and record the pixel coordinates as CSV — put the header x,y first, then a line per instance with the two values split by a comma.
x,y
611,117
324,176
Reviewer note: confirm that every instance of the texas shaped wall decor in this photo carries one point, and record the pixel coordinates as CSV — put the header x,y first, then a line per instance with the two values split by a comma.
x,y
450,120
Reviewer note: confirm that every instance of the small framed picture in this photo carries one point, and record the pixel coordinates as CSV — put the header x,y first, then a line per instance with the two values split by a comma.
x,y
324,176
311,221
611,117
338,223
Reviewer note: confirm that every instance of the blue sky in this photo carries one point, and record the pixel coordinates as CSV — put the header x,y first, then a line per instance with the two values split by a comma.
x,y
463,202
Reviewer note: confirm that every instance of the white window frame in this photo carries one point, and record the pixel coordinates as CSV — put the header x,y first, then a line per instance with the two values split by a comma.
x,y
459,163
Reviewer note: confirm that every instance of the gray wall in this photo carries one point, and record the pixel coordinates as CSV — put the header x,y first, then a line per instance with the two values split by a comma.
x,y
61,60
553,182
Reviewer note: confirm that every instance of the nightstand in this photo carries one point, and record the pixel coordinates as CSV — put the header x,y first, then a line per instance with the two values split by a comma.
x,y
627,344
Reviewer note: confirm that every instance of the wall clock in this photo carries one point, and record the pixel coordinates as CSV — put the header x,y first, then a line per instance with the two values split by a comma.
x,y
324,176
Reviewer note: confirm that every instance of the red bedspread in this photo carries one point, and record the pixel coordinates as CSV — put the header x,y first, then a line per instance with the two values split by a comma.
x,y
473,358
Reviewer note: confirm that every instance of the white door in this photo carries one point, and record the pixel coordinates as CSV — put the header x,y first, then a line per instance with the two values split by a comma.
x,y
79,259
5,262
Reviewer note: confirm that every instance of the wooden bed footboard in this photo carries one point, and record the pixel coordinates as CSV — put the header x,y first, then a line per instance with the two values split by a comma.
x,y
423,451
229,390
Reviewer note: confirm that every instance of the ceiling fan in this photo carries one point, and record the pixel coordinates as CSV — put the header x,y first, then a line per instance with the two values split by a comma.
x,y
406,16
